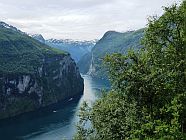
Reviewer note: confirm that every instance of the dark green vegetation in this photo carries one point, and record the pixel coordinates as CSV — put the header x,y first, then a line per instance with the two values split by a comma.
x,y
32,74
111,42
148,96
20,53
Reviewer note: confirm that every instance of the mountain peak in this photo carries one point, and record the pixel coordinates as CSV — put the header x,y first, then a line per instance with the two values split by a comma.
x,y
5,25
71,41
111,34
38,37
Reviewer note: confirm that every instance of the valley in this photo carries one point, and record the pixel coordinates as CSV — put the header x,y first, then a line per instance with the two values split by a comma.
x,y
54,122
92,70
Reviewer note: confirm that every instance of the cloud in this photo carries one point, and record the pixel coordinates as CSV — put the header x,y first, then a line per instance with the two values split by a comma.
x,y
79,19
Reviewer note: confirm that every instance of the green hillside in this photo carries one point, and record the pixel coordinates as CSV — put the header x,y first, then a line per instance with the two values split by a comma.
x,y
32,74
22,53
113,42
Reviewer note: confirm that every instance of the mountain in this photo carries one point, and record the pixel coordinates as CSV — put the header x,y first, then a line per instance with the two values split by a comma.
x,y
38,37
7,26
77,49
84,63
111,42
32,74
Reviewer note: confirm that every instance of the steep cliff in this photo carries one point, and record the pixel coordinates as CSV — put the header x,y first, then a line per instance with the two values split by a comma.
x,y
111,42
33,75
84,63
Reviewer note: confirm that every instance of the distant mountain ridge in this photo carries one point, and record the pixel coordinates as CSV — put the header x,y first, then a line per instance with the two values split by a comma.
x,y
7,26
38,37
77,49
72,41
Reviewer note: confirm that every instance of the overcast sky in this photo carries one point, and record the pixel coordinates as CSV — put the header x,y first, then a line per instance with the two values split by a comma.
x,y
79,19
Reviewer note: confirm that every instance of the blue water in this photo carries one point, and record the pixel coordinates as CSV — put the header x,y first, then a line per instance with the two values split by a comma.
x,y
52,123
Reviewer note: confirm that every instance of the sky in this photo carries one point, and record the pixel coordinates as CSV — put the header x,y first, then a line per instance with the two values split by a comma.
x,y
79,19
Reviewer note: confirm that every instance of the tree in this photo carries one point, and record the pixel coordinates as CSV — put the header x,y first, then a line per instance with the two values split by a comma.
x,y
148,96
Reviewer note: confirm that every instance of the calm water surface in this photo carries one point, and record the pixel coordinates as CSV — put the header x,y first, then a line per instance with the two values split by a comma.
x,y
55,122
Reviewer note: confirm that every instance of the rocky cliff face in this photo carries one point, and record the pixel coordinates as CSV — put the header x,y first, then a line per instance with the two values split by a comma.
x,y
111,42
33,75
55,80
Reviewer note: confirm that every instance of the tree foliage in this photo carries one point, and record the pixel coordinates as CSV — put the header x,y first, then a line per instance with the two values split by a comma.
x,y
148,96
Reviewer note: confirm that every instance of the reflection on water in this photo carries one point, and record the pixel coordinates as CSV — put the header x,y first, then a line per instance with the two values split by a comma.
x,y
54,122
